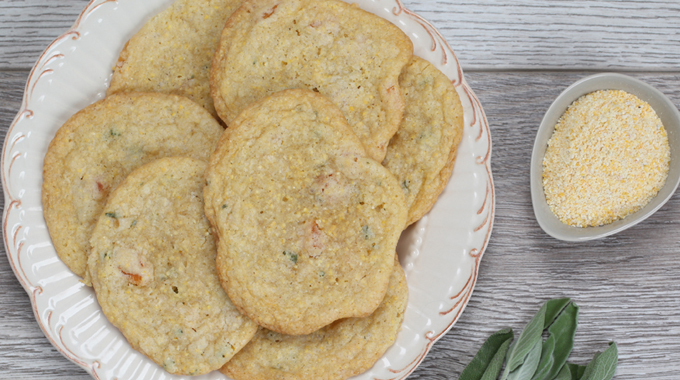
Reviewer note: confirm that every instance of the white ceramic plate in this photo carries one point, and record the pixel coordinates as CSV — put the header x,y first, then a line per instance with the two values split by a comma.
x,y
440,254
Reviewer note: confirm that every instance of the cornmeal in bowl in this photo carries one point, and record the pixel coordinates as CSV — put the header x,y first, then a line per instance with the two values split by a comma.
x,y
608,157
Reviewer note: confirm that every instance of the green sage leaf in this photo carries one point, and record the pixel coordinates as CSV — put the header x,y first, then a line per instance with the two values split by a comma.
x,y
570,371
603,365
553,309
525,343
547,359
489,358
558,345
532,334
528,367
496,364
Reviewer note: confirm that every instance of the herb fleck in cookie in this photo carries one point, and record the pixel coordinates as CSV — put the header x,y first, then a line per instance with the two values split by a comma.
x,y
341,350
351,56
97,147
173,51
307,224
422,152
153,268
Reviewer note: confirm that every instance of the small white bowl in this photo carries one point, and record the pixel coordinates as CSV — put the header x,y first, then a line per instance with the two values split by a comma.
x,y
664,108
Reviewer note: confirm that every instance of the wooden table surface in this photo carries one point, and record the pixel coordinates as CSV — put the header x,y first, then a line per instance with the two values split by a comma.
x,y
517,55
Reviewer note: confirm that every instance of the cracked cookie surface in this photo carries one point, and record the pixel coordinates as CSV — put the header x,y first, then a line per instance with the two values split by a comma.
x,y
341,350
173,51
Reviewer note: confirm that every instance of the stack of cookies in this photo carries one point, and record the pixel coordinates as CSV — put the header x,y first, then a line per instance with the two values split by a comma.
x,y
269,245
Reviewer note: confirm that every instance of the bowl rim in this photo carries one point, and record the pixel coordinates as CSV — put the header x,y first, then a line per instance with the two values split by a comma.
x,y
667,112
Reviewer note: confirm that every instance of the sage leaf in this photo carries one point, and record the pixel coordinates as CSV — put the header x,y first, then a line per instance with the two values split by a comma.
x,y
527,369
496,364
489,358
603,365
532,335
576,369
558,345
570,371
547,359
554,309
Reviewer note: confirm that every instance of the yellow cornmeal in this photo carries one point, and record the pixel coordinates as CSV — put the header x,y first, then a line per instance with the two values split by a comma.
x,y
608,157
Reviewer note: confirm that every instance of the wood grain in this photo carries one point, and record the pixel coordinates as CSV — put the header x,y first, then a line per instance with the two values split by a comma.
x,y
518,56
570,35
486,34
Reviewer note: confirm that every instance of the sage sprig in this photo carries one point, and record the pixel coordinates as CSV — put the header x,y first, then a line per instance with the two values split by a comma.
x,y
557,347
529,342
531,357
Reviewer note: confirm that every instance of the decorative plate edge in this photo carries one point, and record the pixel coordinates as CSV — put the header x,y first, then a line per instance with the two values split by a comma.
x,y
13,204
479,119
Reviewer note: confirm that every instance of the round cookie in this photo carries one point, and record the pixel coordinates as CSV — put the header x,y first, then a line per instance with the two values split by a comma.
x,y
351,56
153,269
307,224
341,350
98,146
422,152
173,51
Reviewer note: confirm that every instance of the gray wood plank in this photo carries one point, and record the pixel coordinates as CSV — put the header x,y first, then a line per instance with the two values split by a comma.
x,y
574,35
27,27
486,34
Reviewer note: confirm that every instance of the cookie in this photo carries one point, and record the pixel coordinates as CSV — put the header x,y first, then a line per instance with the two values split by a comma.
x,y
341,350
173,51
307,224
423,151
98,146
153,269
351,56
